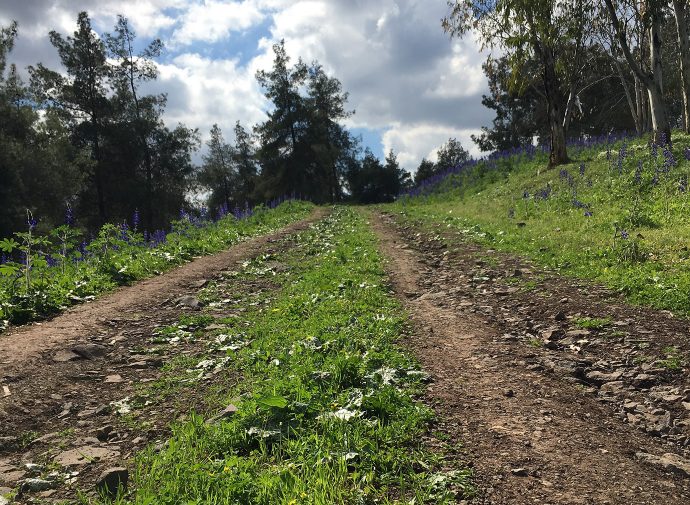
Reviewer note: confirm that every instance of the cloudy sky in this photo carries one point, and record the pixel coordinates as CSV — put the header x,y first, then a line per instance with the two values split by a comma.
x,y
412,87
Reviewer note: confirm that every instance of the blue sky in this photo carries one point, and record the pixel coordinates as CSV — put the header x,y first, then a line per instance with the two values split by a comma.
x,y
411,86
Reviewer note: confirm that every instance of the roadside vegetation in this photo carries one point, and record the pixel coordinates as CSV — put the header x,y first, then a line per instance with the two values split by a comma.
x,y
326,409
616,214
42,274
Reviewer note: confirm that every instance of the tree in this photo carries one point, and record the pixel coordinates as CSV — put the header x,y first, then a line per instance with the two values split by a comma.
x,y
650,17
329,141
426,169
451,154
218,172
370,181
280,136
547,31
141,113
81,95
245,163
680,11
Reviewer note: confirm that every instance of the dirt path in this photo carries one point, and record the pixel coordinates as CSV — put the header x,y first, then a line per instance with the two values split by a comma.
x,y
24,343
61,381
533,436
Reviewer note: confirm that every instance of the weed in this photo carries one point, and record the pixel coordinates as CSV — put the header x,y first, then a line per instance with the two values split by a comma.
x,y
592,323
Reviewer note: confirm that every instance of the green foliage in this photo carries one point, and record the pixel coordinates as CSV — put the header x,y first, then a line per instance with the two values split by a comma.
x,y
34,287
592,323
617,215
326,409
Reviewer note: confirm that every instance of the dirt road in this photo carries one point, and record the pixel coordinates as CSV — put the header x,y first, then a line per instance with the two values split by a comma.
x,y
534,436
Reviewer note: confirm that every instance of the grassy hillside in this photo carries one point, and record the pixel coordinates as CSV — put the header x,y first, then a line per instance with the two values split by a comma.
x,y
618,213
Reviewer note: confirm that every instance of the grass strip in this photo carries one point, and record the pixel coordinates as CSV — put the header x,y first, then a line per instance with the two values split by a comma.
x,y
59,274
617,214
326,408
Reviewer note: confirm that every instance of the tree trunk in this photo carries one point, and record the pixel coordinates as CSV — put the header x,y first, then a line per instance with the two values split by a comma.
x,y
558,154
652,82
628,96
680,8
660,124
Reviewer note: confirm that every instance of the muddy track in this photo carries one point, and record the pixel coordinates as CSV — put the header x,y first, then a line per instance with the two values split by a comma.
x,y
58,379
533,435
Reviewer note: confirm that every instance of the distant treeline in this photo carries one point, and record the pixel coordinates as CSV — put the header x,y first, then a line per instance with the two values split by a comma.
x,y
89,142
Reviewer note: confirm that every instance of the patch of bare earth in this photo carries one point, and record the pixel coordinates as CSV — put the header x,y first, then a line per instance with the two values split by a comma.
x,y
61,425
549,412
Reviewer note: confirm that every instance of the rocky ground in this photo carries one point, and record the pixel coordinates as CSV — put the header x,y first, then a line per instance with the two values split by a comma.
x,y
561,392
80,394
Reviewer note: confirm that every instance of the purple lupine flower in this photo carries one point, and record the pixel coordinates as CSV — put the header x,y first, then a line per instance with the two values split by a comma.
x,y
638,173
525,194
687,153
135,220
624,234
582,169
69,216
669,159
588,213
683,184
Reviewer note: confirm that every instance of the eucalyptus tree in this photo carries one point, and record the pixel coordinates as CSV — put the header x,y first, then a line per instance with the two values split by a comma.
x,y
550,32
680,13
650,15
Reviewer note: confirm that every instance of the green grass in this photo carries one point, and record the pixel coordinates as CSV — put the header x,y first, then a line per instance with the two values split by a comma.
x,y
327,409
651,266
115,257
592,323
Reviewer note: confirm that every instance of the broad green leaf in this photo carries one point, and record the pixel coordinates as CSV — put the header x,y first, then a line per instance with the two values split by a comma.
x,y
273,401
8,269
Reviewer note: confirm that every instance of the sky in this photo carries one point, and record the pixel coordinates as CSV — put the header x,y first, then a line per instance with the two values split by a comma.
x,y
411,86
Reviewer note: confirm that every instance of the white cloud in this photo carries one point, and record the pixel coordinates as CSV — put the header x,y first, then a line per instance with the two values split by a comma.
x,y
404,75
213,21
414,142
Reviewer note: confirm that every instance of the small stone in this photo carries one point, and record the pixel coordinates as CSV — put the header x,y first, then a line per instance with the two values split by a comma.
x,y
519,472
37,485
560,316
103,433
228,411
65,355
668,461
509,393
199,284
189,301
90,351
8,443
686,406
113,379
601,377
111,480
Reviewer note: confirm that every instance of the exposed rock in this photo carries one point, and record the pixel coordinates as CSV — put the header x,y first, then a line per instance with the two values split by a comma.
x,y
198,284
189,301
602,377
668,461
111,480
113,379
84,455
65,355
90,351
38,485
519,472
8,443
